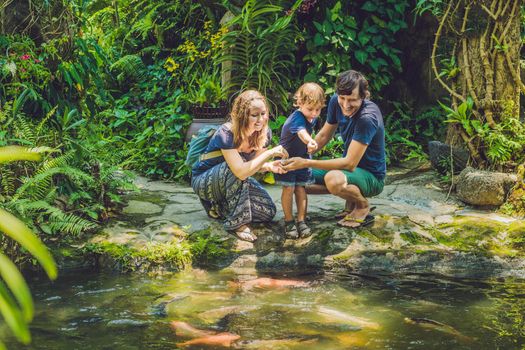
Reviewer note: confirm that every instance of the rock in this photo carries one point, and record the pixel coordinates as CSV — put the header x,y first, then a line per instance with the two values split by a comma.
x,y
139,207
439,154
479,187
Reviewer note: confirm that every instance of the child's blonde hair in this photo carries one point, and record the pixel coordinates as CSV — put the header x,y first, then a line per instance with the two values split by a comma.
x,y
309,94
240,117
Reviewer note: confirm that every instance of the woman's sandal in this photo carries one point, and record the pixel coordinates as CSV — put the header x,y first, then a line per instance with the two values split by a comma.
x,y
304,230
345,212
213,214
245,234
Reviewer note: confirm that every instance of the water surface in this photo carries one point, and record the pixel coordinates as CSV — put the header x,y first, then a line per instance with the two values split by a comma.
x,y
90,310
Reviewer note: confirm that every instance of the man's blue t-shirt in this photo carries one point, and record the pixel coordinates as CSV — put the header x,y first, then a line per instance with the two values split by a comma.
x,y
222,139
365,126
289,138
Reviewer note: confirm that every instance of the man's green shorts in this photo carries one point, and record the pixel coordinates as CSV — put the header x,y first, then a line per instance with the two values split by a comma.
x,y
368,184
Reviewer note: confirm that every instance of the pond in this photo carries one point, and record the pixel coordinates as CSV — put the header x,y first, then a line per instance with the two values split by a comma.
x,y
94,310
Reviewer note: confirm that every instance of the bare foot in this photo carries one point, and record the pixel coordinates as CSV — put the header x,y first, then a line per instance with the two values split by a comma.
x,y
358,217
349,207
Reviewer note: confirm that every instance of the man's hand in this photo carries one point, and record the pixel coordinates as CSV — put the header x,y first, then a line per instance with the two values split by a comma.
x,y
276,167
312,146
294,163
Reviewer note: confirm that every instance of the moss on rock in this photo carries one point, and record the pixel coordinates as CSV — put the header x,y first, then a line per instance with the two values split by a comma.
x,y
208,248
172,255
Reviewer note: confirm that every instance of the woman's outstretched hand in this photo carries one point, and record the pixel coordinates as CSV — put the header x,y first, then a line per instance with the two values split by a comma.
x,y
279,151
294,163
276,167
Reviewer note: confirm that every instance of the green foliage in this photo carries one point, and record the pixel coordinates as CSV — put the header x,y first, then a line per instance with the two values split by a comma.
x,y
435,7
208,248
355,36
333,149
39,77
207,91
148,125
176,254
405,133
16,304
501,143
449,68
276,126
260,45
129,68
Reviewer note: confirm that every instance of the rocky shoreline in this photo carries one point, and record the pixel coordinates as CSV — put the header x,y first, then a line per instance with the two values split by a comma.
x,y
420,229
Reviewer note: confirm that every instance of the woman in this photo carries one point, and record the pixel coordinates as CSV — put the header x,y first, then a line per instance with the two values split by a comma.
x,y
222,178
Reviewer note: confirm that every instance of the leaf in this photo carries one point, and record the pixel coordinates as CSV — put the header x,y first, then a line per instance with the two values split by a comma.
x,y
13,153
18,231
16,283
12,316
361,56
363,38
369,6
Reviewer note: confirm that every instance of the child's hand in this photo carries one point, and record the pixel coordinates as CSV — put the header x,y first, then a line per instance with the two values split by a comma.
x,y
312,146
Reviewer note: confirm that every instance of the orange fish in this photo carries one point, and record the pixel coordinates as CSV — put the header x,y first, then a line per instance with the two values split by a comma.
x,y
220,339
185,330
265,282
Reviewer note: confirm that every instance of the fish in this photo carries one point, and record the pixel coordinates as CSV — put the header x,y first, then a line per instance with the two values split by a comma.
x,y
274,344
438,326
216,314
337,327
344,317
224,339
265,282
185,330
159,309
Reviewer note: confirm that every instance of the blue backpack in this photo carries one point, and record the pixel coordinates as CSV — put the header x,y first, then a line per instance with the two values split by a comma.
x,y
198,145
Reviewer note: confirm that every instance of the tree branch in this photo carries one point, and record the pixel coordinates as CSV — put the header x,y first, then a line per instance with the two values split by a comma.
x,y
433,56
494,17
468,74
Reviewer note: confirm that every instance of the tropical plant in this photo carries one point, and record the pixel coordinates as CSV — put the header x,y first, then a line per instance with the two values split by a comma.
x,y
502,143
16,304
407,133
260,46
207,91
360,35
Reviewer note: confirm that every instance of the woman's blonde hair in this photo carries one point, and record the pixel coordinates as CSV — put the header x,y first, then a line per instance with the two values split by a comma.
x,y
240,115
309,94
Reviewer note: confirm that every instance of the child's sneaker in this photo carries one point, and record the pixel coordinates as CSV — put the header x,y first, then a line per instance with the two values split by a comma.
x,y
304,230
290,231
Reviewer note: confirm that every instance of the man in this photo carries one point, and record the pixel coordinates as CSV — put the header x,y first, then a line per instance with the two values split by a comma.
x,y
360,173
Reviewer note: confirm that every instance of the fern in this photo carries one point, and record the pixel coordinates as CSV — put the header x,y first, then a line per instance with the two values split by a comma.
x,y
38,185
129,67
7,180
262,57
24,131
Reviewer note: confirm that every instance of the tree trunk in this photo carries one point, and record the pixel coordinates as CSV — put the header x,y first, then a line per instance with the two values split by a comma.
x,y
488,45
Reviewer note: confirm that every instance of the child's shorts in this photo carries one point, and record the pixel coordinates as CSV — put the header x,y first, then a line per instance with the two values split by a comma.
x,y
300,177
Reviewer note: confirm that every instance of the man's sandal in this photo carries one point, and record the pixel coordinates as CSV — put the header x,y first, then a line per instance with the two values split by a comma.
x,y
245,234
345,212
368,220
304,230
290,230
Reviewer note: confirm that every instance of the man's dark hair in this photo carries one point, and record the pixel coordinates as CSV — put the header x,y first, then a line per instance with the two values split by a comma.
x,y
347,81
